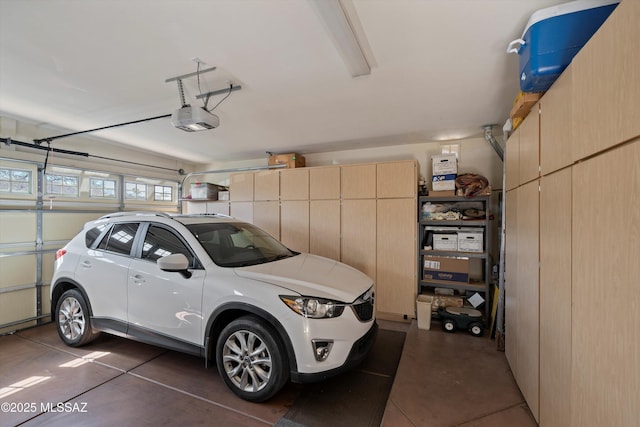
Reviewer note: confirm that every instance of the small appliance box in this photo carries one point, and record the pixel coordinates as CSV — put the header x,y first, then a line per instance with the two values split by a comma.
x,y
447,270
553,36
292,160
470,241
205,191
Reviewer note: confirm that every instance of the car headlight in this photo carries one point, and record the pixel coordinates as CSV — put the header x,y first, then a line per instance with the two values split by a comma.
x,y
314,308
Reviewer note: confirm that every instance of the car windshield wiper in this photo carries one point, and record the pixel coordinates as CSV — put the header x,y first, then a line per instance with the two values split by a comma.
x,y
279,257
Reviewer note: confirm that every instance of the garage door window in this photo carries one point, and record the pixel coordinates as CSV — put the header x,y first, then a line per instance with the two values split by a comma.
x,y
103,188
16,181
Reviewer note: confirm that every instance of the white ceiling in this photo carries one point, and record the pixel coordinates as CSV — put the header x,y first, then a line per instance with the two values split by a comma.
x,y
439,71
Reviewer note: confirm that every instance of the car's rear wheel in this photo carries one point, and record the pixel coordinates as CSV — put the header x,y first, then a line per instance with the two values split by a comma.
x,y
251,360
72,315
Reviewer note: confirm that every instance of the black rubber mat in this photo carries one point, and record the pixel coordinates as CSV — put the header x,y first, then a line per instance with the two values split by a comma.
x,y
356,398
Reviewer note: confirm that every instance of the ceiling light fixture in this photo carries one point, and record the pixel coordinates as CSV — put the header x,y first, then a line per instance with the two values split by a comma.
x,y
341,29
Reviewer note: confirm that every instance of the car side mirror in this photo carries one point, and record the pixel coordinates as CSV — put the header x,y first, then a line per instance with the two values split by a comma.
x,y
177,263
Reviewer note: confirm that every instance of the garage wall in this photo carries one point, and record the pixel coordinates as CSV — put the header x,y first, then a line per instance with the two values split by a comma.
x,y
34,224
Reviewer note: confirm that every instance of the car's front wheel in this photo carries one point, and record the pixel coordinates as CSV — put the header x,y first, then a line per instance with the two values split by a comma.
x,y
72,317
250,359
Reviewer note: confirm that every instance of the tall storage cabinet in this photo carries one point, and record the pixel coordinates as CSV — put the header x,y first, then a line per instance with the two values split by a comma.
x,y
362,215
586,251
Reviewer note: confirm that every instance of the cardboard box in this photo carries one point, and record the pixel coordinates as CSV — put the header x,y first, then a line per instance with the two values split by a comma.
x,y
443,182
292,160
205,191
444,164
470,241
522,105
445,242
446,270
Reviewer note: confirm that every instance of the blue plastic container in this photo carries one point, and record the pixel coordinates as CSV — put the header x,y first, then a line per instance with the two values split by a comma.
x,y
552,38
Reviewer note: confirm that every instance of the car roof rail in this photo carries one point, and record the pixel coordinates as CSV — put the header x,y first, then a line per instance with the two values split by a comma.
x,y
206,214
135,213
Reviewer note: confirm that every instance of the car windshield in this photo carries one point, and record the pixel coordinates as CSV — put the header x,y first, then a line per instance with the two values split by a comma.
x,y
238,244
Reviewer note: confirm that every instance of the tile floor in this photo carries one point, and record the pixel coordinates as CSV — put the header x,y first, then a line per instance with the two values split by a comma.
x,y
442,380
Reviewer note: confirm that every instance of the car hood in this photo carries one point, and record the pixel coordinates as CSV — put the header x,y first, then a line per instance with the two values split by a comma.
x,y
311,275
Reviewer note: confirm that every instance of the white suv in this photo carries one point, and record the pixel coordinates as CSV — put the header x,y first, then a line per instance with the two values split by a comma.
x,y
218,288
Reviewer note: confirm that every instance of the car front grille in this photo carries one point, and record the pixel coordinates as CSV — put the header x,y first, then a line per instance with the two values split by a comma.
x,y
363,306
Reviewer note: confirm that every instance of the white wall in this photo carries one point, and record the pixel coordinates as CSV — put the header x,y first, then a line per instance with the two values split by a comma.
x,y
476,156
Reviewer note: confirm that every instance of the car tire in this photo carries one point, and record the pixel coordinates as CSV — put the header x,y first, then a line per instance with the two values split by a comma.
x,y
476,329
449,326
251,360
73,319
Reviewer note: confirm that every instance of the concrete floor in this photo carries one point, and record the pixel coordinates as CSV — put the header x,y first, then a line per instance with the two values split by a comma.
x,y
442,380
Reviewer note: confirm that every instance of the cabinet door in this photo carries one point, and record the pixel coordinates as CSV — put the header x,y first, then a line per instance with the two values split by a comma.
x,y
241,187
324,183
529,164
294,225
266,215
396,256
267,185
555,125
397,179
324,228
606,87
358,182
528,295
242,210
511,280
218,207
555,299
294,184
605,293
358,243
512,160
196,207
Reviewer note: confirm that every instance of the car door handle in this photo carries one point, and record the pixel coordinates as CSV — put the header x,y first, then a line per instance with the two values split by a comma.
x,y
86,264
137,279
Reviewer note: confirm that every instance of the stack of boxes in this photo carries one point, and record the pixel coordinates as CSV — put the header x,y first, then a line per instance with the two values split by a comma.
x,y
445,170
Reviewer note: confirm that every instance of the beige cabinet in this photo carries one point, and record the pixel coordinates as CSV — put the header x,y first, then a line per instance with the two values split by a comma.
x,y
556,125
555,299
512,160
358,244
511,279
605,300
324,228
266,215
397,179
294,224
242,210
267,185
324,183
396,263
241,187
529,157
527,295
294,184
358,181
606,87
